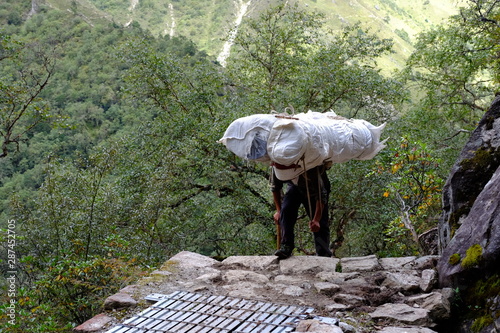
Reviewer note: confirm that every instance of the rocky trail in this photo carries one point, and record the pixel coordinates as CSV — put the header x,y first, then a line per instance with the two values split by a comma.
x,y
360,294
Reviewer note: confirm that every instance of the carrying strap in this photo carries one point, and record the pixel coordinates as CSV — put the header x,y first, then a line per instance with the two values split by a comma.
x,y
307,187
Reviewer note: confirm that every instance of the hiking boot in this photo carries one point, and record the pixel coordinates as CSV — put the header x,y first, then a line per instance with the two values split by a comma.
x,y
284,252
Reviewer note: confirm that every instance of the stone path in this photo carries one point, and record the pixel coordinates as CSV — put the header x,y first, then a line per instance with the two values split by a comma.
x,y
363,294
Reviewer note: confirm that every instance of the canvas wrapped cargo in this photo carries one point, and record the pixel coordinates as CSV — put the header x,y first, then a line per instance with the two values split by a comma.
x,y
247,137
306,139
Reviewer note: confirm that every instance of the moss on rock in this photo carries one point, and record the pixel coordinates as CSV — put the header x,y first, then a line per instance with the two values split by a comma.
x,y
481,160
481,322
481,301
454,259
472,256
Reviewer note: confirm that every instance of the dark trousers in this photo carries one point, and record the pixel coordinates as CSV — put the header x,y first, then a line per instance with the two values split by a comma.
x,y
290,204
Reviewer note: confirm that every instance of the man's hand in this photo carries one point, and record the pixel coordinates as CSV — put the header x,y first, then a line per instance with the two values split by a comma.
x,y
314,226
276,217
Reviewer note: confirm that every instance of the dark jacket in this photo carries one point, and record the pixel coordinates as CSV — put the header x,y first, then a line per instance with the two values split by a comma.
x,y
314,180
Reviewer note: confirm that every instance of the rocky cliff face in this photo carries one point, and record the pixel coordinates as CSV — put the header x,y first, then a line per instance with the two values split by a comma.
x,y
477,162
469,229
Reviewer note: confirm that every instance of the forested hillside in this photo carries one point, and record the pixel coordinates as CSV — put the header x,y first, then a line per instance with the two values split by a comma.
x,y
208,22
110,160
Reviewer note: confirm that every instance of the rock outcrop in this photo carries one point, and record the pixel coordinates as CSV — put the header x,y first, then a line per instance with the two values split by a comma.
x,y
477,162
469,229
474,251
95,324
362,294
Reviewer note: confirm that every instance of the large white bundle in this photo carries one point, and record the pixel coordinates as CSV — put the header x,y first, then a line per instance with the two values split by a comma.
x,y
303,141
247,137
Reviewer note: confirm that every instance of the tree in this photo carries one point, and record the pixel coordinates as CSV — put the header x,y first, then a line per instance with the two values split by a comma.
x,y
269,52
414,187
283,58
27,71
187,190
456,66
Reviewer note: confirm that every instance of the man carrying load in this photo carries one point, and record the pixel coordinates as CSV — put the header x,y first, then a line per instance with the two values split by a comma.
x,y
300,148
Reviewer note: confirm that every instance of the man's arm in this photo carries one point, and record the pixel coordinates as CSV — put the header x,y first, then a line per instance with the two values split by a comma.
x,y
277,204
314,225
320,196
276,188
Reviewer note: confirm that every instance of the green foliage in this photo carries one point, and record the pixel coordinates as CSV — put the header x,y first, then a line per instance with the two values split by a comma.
x,y
453,72
481,323
288,61
69,291
184,174
481,160
270,51
403,34
357,227
63,190
27,69
456,65
295,65
415,188
479,300
207,22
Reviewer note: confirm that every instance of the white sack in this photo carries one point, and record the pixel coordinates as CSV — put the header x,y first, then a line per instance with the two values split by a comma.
x,y
312,138
247,137
321,138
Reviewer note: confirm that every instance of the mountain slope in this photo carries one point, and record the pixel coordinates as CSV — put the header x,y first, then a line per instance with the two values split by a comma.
x,y
207,22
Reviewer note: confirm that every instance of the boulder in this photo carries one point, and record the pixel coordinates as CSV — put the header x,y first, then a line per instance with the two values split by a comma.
x,y
474,250
389,288
337,307
316,326
428,280
253,262
350,299
396,264
286,279
406,330
402,313
190,261
130,289
235,276
337,277
94,324
436,302
477,162
326,288
244,289
469,228
425,262
293,291
303,264
360,264
119,301
402,281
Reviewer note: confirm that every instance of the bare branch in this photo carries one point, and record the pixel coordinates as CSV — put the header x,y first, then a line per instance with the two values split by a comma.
x,y
457,133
